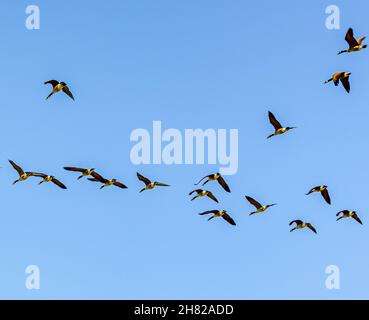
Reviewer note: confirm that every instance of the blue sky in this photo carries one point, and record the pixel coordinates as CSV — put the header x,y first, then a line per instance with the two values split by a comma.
x,y
190,64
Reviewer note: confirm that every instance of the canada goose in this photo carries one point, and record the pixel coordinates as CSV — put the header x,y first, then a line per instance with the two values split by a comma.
x,y
58,86
277,126
218,177
343,77
324,192
354,45
258,206
348,214
219,213
106,182
301,225
22,175
48,178
148,184
203,193
85,172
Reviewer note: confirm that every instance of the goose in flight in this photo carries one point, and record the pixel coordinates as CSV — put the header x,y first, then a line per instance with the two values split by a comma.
x,y
22,175
215,177
149,185
348,214
323,191
343,77
59,86
354,45
279,129
259,208
219,213
106,183
203,193
85,172
301,225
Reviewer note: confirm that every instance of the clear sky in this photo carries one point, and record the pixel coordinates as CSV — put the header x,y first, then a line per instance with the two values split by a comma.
x,y
190,64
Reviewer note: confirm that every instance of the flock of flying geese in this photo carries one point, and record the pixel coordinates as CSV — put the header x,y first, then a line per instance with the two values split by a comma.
x,y
343,77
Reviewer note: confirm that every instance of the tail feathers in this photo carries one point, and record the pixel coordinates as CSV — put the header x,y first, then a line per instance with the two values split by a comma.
x,y
364,46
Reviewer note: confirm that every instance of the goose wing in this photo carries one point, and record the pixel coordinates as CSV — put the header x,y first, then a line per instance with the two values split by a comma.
x,y
58,183
120,185
256,204
228,218
222,182
350,38
67,92
326,196
16,167
143,179
54,83
75,169
275,123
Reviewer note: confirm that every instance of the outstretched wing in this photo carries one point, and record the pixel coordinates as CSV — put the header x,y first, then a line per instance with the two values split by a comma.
x,y
212,197
196,190
58,183
350,38
256,204
54,83
16,167
228,218
67,91
120,185
161,184
143,179
346,84
209,211
311,227
356,217
75,169
275,123
298,222
98,177
326,196
222,182
36,174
